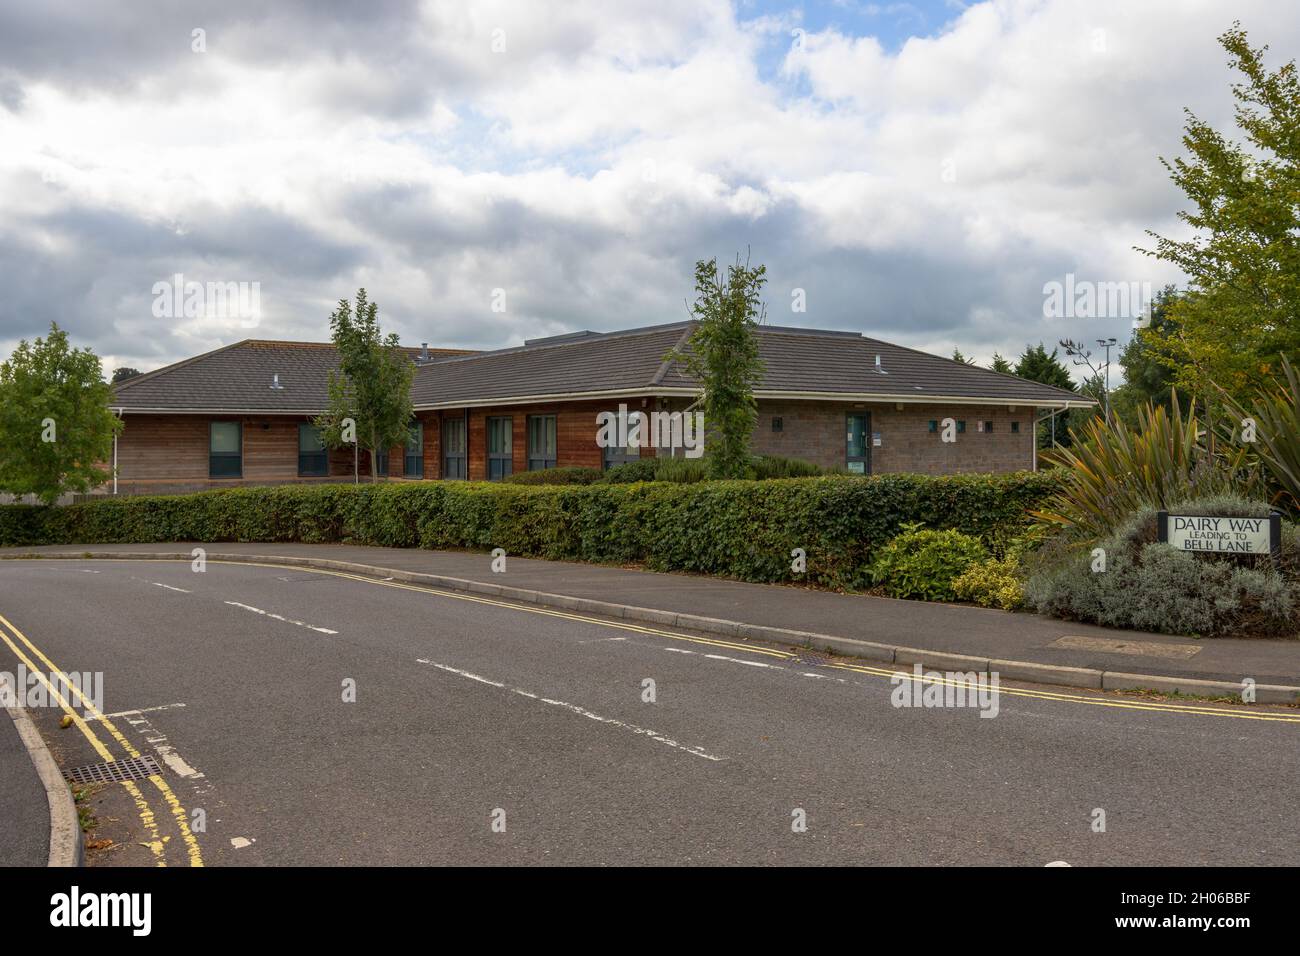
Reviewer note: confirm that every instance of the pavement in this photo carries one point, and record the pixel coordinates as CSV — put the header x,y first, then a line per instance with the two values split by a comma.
x,y
24,810
952,629
308,717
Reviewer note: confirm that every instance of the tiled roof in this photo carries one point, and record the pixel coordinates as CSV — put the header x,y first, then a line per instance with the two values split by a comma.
x,y
239,377
797,361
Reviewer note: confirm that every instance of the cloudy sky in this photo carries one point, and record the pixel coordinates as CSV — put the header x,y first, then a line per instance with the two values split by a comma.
x,y
920,170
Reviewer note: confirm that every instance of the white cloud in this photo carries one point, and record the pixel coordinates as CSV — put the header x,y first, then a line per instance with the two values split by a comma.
x,y
923,194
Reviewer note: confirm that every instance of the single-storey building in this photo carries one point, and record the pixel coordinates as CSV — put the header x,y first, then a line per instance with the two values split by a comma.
x,y
242,414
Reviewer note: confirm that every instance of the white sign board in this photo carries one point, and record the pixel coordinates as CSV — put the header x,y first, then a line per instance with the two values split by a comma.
x,y
1219,535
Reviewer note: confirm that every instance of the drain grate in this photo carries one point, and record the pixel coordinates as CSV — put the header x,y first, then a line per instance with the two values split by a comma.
x,y
115,771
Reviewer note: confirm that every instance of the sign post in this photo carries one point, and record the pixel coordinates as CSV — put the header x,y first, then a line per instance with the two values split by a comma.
x,y
1210,534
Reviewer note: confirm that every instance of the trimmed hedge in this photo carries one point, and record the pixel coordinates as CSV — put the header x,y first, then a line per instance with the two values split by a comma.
x,y
739,529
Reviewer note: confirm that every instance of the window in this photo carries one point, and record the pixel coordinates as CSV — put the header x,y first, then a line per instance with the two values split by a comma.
x,y
500,448
1015,426
312,457
988,426
453,448
225,450
621,456
381,463
414,467
777,424
961,425
541,442
857,455
934,425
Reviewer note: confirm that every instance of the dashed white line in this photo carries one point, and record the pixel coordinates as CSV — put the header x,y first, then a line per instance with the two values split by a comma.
x,y
277,617
141,710
168,587
575,709
736,660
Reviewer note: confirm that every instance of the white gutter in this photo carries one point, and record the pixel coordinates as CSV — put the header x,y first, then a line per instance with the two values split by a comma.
x,y
909,399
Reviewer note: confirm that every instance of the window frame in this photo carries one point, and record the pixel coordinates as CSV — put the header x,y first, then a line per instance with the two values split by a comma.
x,y
542,461
414,437
455,461
500,464
237,456
323,454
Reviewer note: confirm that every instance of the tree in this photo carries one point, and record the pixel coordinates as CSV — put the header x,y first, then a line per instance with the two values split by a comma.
x,y
1241,312
1000,364
958,357
1037,365
122,374
722,355
372,386
1148,361
56,427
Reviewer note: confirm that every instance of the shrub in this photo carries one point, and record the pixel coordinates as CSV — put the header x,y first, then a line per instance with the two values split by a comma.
x,y
923,563
1113,470
555,476
1151,587
775,466
991,583
685,470
1276,411
740,529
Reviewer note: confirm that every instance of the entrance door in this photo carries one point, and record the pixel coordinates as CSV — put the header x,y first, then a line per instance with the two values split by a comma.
x,y
857,452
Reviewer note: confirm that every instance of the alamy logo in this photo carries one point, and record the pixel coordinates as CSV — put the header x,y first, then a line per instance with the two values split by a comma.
x,y
1084,299
103,909
176,298
952,689
659,430
32,689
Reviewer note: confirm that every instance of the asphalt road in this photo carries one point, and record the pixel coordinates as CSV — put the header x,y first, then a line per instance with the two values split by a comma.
x,y
235,679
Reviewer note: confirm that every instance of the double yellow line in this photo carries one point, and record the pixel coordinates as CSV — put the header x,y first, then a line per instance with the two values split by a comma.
x,y
156,843
1196,710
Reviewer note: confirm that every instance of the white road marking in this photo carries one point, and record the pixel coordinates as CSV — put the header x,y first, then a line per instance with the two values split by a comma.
x,y
169,587
87,571
575,709
142,710
736,660
258,610
240,842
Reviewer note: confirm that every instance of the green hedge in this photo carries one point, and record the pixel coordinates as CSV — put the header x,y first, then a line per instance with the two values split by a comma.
x,y
740,529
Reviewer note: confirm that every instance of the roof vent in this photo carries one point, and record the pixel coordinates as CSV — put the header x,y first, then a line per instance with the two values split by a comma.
x,y
275,381
878,368
424,351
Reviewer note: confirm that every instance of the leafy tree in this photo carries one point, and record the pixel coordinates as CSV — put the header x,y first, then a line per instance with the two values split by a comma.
x,y
372,386
1148,360
56,427
122,374
1000,364
1242,308
1037,365
722,355
958,357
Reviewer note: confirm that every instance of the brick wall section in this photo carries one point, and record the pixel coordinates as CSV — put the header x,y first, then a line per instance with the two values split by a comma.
x,y
163,454
169,453
816,432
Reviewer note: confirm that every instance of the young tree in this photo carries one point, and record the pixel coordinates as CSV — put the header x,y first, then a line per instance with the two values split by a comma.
x,y
722,355
122,374
1148,362
1242,308
1000,364
958,357
372,386
1037,365
56,427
